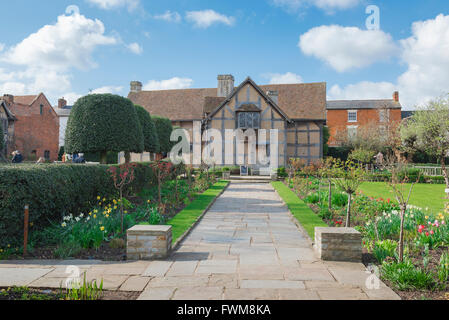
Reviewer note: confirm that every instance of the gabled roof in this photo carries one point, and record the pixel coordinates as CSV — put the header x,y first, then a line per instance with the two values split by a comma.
x,y
25,100
255,86
362,104
297,101
9,114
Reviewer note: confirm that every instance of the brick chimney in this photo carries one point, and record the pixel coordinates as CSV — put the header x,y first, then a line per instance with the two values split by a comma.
x,y
225,85
274,95
396,96
8,98
136,86
62,103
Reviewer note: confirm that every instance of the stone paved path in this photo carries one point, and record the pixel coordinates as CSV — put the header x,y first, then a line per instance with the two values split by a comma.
x,y
246,247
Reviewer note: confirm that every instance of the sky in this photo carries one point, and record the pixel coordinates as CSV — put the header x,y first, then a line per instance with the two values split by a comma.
x,y
361,49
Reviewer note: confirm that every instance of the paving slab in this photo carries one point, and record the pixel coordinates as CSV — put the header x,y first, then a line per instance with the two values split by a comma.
x,y
21,276
135,283
157,294
199,293
157,269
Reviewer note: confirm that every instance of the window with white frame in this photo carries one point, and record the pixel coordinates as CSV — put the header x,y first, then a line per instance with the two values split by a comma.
x,y
352,115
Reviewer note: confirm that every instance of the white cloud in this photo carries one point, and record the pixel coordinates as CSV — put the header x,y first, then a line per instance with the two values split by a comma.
x,y
173,83
169,17
108,89
2,46
362,90
286,78
135,48
114,4
427,76
328,5
345,48
206,18
68,43
71,97
43,61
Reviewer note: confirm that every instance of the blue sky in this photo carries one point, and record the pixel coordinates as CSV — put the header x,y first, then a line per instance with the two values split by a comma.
x,y
101,45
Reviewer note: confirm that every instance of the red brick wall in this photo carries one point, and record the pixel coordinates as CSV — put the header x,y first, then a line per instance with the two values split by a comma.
x,y
337,120
34,131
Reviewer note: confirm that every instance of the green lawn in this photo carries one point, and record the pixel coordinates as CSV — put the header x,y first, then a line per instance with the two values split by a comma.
x,y
306,217
187,217
424,195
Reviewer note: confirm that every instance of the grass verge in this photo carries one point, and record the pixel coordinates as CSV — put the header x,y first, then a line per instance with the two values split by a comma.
x,y
306,217
187,217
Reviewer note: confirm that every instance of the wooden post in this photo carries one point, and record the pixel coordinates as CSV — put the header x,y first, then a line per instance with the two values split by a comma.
x,y
25,230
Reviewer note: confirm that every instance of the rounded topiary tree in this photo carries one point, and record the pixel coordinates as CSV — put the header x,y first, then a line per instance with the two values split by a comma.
x,y
150,138
163,129
102,123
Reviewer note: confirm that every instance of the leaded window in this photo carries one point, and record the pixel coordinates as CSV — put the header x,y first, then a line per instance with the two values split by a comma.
x,y
249,120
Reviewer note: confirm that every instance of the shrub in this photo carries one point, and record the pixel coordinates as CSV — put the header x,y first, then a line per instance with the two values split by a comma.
x,y
163,129
101,123
150,138
51,191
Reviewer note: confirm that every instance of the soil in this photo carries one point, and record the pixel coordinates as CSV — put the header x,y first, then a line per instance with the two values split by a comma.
x,y
51,294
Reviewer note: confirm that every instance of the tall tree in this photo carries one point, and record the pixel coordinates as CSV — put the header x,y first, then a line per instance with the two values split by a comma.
x,y
428,130
151,140
102,123
163,129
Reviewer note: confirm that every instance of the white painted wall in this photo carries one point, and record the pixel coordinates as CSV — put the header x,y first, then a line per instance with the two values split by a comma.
x,y
62,127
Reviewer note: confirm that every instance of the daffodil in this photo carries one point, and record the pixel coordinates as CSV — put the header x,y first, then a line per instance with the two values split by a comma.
x,y
107,216
98,198
62,224
95,211
95,216
102,228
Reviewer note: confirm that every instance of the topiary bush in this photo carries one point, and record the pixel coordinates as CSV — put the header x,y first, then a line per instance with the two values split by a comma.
x,y
151,140
164,129
102,123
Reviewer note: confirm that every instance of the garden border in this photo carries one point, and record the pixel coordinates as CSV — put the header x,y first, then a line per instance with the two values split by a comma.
x,y
185,234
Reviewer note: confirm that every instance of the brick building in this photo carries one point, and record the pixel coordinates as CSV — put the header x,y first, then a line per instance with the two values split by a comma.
x,y
36,130
346,117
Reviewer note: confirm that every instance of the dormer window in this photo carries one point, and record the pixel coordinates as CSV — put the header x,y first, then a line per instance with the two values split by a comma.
x,y
248,120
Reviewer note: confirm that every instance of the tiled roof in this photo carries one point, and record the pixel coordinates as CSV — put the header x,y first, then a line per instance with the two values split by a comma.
x,y
298,101
210,103
362,104
26,100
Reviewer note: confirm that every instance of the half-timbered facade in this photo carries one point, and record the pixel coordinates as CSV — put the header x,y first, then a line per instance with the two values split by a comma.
x,y
297,111
7,118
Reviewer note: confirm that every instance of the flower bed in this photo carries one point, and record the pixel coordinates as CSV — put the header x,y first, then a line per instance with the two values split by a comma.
x,y
98,233
425,269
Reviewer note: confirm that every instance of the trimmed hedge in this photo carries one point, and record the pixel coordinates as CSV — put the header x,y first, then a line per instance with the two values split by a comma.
x,y
164,129
51,191
150,138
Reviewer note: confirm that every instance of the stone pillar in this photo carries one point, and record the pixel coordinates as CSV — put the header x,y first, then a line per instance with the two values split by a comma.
x,y
148,242
338,244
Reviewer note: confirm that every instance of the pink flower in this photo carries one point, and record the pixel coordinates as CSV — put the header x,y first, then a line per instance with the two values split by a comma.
x,y
427,234
431,232
421,228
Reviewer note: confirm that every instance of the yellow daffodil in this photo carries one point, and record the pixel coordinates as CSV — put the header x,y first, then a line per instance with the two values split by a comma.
x,y
102,228
115,201
63,224
95,211
99,203
90,213
104,199
9,246
427,217
125,211
98,198
115,207
148,201
107,216
95,216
